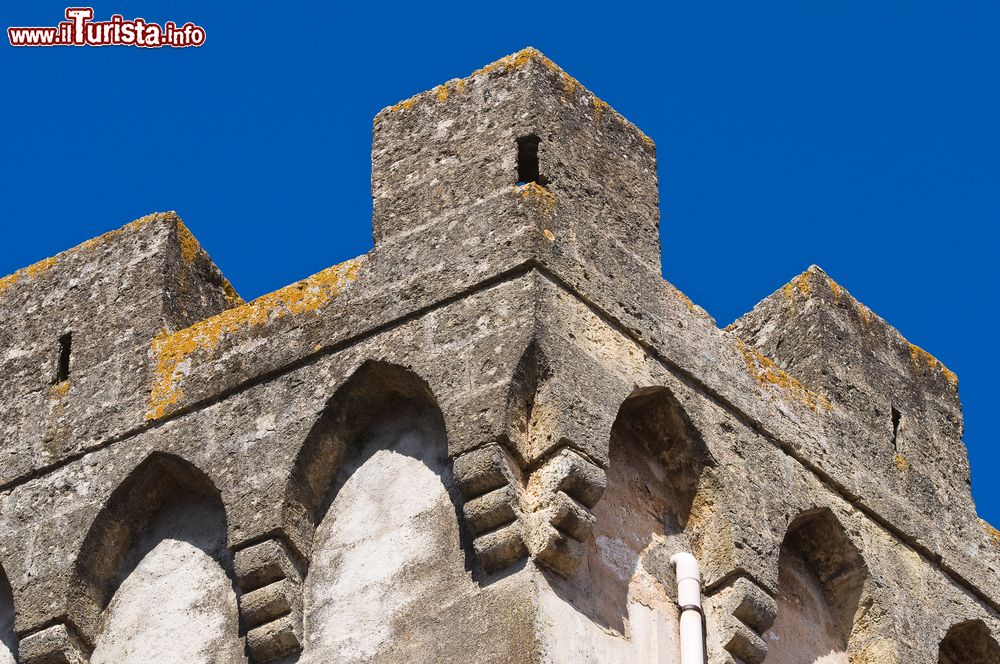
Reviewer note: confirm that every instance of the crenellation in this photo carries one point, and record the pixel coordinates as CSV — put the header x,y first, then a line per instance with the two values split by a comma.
x,y
482,441
116,291
905,399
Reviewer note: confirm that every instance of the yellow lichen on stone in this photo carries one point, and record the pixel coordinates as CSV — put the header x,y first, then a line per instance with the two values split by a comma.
x,y
189,245
60,388
866,314
516,61
101,240
992,533
767,373
902,463
924,361
837,289
30,272
691,306
799,284
570,85
232,297
405,105
172,350
599,107
43,266
532,191
506,64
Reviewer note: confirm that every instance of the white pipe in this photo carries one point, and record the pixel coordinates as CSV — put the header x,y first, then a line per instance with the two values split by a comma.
x,y
689,602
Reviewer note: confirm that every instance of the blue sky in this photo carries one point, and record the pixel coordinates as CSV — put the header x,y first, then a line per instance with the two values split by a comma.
x,y
859,136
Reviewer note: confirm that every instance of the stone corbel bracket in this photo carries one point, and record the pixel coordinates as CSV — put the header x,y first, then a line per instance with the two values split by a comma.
x,y
57,644
560,495
743,612
546,516
490,483
270,582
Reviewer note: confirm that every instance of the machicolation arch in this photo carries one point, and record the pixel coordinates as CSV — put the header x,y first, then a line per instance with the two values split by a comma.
x,y
154,576
969,643
822,577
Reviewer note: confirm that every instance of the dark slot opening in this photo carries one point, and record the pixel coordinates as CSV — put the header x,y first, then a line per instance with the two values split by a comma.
x,y
896,417
527,161
65,347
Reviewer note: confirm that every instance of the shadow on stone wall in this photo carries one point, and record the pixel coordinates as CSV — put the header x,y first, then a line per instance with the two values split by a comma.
x,y
375,479
656,460
8,640
154,575
969,643
821,579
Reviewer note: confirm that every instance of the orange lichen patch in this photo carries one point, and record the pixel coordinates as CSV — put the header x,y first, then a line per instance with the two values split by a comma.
x,y
767,373
43,266
189,245
172,351
992,533
691,306
924,361
440,92
799,284
599,107
32,271
59,389
532,191
549,235
902,463
232,297
837,289
516,61
190,248
867,315
127,228
570,85
505,64
444,91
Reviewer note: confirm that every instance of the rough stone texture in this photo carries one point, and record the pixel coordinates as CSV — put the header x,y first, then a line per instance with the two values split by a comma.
x,y
482,440
8,640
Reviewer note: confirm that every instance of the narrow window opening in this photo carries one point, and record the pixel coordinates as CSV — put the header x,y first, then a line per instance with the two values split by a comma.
x,y
896,417
65,346
527,161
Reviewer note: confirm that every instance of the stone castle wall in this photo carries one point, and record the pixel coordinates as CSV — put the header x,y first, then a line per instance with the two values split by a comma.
x,y
482,441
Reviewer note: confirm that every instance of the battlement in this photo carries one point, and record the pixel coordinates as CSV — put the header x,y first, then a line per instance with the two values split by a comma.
x,y
501,411
904,397
464,152
77,332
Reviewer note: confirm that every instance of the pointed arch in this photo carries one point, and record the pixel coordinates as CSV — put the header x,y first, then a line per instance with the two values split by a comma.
x,y
374,390
656,460
166,517
8,638
821,581
969,642
373,498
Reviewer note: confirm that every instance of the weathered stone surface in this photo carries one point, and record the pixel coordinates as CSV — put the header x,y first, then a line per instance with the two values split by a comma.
x,y
482,441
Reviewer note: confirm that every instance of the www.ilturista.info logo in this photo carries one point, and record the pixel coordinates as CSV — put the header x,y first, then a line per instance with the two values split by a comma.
x,y
79,29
